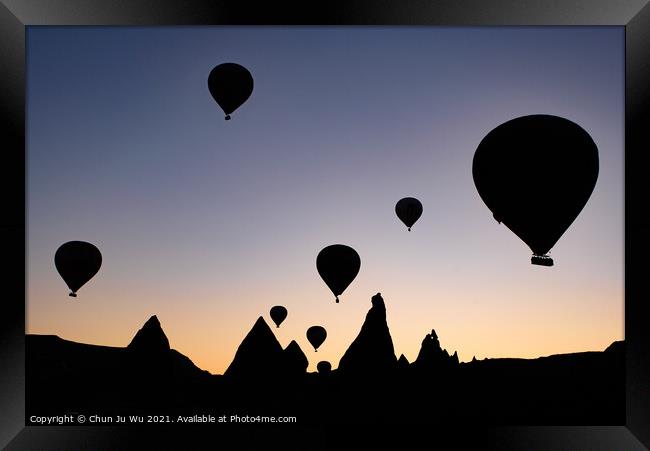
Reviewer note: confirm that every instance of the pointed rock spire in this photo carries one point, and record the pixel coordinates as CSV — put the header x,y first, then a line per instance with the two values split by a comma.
x,y
432,356
258,355
372,351
402,362
430,352
295,360
150,338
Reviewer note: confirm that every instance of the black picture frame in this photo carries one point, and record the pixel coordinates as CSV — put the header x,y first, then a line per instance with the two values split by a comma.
x,y
16,15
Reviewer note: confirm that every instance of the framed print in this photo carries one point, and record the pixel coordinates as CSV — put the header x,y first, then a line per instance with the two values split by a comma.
x,y
266,224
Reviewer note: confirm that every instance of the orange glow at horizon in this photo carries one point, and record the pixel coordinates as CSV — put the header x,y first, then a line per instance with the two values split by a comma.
x,y
210,337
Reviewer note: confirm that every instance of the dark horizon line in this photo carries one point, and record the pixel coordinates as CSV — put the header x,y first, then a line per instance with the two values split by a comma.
x,y
333,369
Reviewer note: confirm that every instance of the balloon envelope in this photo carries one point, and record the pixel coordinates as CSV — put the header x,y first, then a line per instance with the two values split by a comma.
x,y
408,210
338,265
77,262
231,85
536,173
278,314
316,336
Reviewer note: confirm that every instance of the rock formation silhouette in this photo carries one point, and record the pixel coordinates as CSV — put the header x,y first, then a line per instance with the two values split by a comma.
x,y
432,357
258,356
616,347
372,351
69,376
150,338
295,361
403,362
146,376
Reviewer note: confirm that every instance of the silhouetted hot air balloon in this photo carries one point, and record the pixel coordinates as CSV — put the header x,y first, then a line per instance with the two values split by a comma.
x,y
324,367
409,211
316,336
231,85
536,173
278,314
338,265
77,262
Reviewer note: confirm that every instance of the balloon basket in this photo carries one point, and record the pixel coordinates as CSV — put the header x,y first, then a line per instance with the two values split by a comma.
x,y
541,260
73,295
228,117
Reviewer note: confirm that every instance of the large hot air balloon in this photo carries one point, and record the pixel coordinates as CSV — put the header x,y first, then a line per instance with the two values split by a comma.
x,y
536,173
338,265
278,314
231,85
77,262
316,336
408,211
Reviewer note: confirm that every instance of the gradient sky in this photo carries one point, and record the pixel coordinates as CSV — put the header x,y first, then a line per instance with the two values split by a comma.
x,y
208,223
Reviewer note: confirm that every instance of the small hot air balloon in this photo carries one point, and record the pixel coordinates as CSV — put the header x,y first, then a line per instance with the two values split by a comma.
x,y
278,314
324,367
536,173
408,211
77,262
231,85
338,265
316,336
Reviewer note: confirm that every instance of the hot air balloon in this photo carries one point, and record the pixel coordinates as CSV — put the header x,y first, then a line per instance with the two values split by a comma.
x,y
278,314
231,85
77,262
316,336
338,265
408,211
324,367
536,173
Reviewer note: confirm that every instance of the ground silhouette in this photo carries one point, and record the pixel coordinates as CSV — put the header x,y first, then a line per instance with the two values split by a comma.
x,y
370,385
